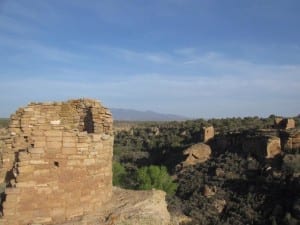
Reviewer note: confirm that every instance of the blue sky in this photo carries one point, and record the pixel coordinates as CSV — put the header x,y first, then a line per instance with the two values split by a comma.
x,y
197,58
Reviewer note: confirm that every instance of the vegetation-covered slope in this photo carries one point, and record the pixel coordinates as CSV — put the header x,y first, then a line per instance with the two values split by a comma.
x,y
230,188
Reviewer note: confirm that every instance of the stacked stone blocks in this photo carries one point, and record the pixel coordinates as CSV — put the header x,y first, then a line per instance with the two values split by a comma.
x,y
207,133
57,162
284,123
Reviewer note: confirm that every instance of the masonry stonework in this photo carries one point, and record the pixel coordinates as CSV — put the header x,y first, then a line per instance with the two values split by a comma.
x,y
285,124
207,133
57,162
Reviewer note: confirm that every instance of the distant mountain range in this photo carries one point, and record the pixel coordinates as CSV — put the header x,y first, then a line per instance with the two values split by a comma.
x,y
135,115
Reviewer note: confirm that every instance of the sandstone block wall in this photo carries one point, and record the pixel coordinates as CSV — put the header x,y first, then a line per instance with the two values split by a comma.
x,y
57,162
207,133
281,123
260,145
291,140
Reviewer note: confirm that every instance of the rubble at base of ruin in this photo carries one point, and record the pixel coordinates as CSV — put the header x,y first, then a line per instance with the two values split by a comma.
x,y
57,162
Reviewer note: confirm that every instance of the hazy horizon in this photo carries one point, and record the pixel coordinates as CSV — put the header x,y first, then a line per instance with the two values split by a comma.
x,y
194,58
184,117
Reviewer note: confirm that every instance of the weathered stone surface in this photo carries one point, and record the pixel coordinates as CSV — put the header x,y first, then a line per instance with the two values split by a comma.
x,y
207,133
197,153
129,207
273,147
219,205
291,140
180,219
289,123
138,208
261,145
286,123
209,191
57,162
56,168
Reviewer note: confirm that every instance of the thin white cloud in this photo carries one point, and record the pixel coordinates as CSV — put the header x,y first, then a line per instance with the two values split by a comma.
x,y
132,55
195,96
51,53
25,49
241,67
214,85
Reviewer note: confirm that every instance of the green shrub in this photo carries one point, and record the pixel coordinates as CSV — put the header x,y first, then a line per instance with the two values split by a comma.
x,y
155,177
119,174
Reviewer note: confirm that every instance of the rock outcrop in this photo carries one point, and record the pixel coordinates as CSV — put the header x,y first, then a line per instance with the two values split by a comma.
x,y
209,191
137,208
197,153
219,205
273,147
57,162
129,207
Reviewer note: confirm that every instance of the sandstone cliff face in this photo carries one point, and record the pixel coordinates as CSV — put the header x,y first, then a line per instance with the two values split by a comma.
x,y
57,162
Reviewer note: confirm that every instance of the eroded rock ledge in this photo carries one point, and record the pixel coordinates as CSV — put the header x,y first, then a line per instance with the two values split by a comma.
x,y
129,207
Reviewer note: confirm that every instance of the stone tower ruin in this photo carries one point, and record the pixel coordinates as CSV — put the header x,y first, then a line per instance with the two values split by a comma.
x,y
57,162
207,133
